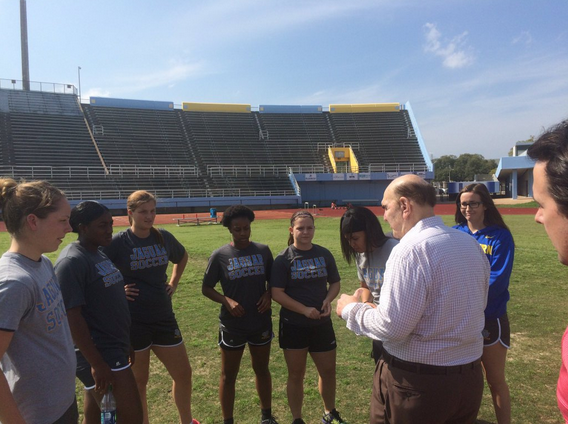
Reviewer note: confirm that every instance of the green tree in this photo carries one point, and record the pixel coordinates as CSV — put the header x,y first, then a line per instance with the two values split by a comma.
x,y
443,167
462,168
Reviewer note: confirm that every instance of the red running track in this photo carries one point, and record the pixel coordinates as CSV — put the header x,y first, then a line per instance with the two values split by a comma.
x,y
441,209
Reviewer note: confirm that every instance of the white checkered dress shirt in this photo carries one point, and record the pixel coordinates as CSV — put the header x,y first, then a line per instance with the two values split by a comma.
x,y
432,300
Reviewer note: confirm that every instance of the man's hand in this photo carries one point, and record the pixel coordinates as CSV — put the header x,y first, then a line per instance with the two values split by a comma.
x,y
346,299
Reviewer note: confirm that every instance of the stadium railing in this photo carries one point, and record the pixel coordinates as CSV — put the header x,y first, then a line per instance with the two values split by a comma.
x,y
179,194
235,170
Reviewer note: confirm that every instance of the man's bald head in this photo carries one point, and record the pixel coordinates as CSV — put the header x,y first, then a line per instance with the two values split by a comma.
x,y
413,188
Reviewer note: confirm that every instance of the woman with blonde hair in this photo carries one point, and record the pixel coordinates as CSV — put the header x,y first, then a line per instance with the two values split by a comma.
x,y
142,254
37,384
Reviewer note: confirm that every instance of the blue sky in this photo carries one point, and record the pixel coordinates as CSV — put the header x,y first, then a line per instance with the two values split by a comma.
x,y
479,74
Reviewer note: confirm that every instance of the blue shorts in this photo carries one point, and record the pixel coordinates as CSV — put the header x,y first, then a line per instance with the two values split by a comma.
x,y
315,339
115,359
165,333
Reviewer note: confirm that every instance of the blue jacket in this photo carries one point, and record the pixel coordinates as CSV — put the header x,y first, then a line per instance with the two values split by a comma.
x,y
498,245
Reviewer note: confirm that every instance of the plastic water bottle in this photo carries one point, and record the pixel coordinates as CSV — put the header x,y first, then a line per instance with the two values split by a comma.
x,y
108,408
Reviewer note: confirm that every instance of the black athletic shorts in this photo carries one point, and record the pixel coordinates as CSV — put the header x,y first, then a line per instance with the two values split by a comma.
x,y
315,339
71,416
116,360
233,341
163,333
497,330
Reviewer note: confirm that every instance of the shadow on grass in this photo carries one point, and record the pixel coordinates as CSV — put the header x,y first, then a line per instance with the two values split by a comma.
x,y
483,422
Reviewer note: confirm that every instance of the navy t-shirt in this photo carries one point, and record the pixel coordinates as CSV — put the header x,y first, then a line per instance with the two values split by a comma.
x,y
304,274
144,261
243,275
91,281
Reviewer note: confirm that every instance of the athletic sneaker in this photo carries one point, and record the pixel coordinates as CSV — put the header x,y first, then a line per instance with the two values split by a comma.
x,y
194,421
332,417
270,420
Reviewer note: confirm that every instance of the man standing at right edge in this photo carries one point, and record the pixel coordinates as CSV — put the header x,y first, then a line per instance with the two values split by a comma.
x,y
550,191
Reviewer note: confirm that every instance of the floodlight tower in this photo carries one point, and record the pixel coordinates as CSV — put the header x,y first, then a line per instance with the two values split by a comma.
x,y
24,37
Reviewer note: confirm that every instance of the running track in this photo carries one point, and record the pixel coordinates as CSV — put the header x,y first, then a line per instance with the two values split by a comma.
x,y
441,209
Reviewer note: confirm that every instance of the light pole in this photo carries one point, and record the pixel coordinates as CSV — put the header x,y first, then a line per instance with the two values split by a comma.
x,y
449,173
79,75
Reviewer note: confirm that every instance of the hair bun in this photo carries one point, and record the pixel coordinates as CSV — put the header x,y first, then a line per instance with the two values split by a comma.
x,y
7,188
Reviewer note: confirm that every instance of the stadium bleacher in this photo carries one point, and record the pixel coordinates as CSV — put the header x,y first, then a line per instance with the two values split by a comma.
x,y
107,149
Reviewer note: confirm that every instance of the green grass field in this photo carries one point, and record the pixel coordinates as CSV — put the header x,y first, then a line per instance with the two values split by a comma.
x,y
538,312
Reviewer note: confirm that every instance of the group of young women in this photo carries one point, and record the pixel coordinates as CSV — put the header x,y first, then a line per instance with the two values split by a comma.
x,y
107,295
111,297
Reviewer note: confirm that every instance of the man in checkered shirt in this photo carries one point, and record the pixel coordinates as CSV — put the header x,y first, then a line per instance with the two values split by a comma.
x,y
430,316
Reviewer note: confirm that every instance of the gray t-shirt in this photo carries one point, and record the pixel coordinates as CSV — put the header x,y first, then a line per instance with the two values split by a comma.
x,y
144,261
91,281
40,361
304,275
372,269
243,275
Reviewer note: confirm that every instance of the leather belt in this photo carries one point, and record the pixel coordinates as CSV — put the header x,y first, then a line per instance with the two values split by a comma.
x,y
418,368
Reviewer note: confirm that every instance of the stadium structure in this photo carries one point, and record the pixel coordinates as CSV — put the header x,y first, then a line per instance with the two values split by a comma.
x,y
205,155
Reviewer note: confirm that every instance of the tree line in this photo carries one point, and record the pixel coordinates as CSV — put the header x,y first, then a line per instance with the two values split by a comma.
x,y
462,168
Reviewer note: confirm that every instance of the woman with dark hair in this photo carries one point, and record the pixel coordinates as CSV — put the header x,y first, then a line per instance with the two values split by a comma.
x,y
142,254
363,241
477,215
243,267
305,280
37,381
97,310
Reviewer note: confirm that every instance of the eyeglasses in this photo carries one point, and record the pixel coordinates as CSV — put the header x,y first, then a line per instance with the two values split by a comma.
x,y
472,205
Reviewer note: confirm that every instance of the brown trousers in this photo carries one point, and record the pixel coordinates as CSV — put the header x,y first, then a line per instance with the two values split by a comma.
x,y
404,397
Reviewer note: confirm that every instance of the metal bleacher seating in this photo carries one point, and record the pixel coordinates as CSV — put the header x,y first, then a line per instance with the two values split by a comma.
x,y
43,136
138,136
45,129
145,149
97,151
293,138
386,139
224,139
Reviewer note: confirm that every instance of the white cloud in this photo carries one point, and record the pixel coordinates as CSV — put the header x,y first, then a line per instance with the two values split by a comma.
x,y
236,21
167,77
455,52
524,37
95,92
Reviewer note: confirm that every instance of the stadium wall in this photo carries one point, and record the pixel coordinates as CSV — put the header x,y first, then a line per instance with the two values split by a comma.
x,y
290,109
203,204
361,188
131,104
364,108
455,187
419,137
216,107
